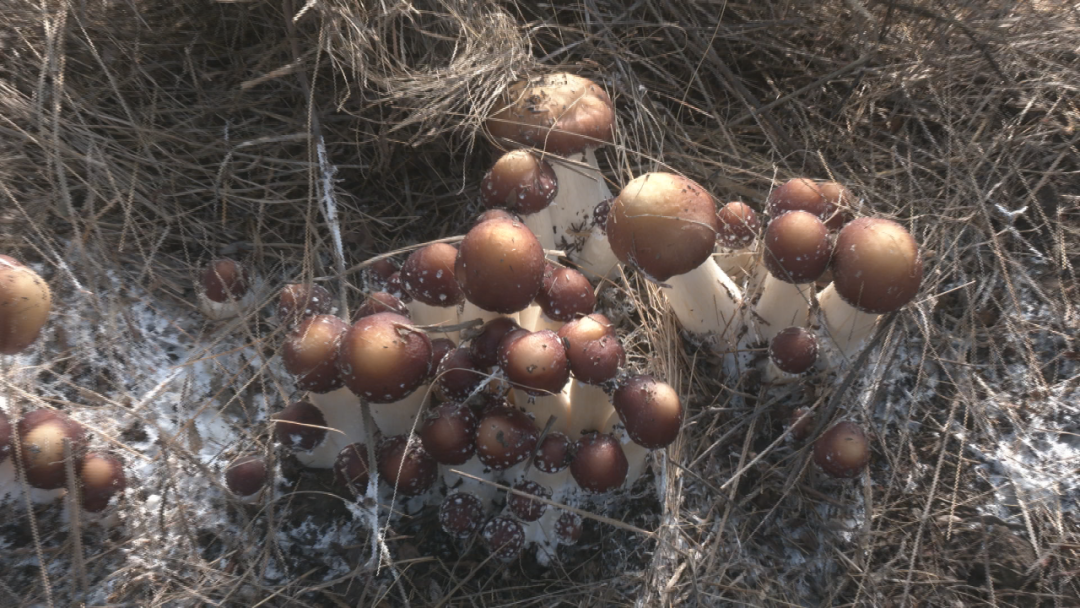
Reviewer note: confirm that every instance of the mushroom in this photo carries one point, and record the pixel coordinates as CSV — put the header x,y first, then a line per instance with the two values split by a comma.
x,y
535,363
448,433
458,376
595,355
101,477
505,437
461,514
302,427
299,301
568,528
246,475
565,296
525,185
405,466
842,451
41,454
380,301
830,201
500,268
651,414
792,352
223,289
25,302
797,252
736,238
428,276
504,538
351,469
525,508
599,463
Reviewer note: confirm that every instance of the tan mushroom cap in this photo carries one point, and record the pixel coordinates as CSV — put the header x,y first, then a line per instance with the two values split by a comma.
x,y
310,353
842,451
102,476
650,410
831,202
224,280
41,447
500,266
797,247
428,275
876,266
664,224
383,358
520,182
739,225
559,113
25,302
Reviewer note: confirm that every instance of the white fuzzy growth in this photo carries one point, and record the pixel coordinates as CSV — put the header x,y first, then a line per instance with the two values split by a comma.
x,y
399,417
345,425
847,326
781,305
707,303
428,315
543,407
591,408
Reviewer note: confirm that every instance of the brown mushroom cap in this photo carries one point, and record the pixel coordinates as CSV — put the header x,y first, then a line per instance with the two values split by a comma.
x,y
594,351
5,436
378,273
224,280
41,447
440,348
351,469
301,300
650,410
536,362
521,182
842,451
406,465
500,266
300,426
829,201
559,113
568,528
566,295
524,507
801,427
448,433
383,358
102,476
428,275
554,453
599,463
246,475
505,437
485,344
877,267
794,350
458,375
504,538
797,247
738,225
310,353
396,289
664,224
25,302
380,301
461,514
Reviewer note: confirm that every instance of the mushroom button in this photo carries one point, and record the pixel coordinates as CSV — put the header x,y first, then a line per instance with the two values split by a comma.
x,y
566,295
351,468
448,433
505,437
461,514
504,538
102,476
25,302
310,353
41,447
535,362
300,300
524,507
246,475
599,463
406,466
520,182
428,275
842,451
300,426
738,225
830,202
650,410
224,280
877,267
794,350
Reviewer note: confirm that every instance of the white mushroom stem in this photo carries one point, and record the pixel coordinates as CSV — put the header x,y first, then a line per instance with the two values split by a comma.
x,y
581,188
774,375
459,483
595,258
426,315
737,264
543,407
529,317
469,311
228,309
10,485
542,225
781,305
542,531
344,424
591,408
637,457
399,417
708,303
847,326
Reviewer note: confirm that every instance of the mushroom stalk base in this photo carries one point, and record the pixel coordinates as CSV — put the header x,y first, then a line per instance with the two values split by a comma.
x,y
591,408
423,314
543,407
707,303
399,417
344,424
847,326
781,305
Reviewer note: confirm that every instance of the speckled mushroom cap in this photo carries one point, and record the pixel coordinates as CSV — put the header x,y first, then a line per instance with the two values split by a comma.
x,y
406,466
568,528
485,344
25,302
458,375
41,447
505,437
461,514
599,463
663,224
380,301
594,351
831,202
310,353
566,294
553,455
520,182
559,113
797,247
877,267
500,266
300,426
650,410
842,451
246,475
224,280
504,538
384,357
448,433
428,275
302,300
738,225
794,350
525,508
101,476
351,469
536,362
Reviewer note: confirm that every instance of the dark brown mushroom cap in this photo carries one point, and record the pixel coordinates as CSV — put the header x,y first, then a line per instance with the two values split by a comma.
x,y
842,451
600,214
829,201
383,358
396,289
566,295
739,225
351,469
41,447
301,300
448,433
554,453
440,348
559,113
877,267
536,362
504,538
310,353
594,351
406,465
500,266
101,476
485,344
380,301
797,247
794,350
505,437
568,528
650,410
246,475
664,224
461,514
528,509
458,375
428,275
521,182
25,302
378,273
5,436
599,463
300,426
224,280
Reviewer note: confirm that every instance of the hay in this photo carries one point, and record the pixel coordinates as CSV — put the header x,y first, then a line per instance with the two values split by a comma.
x,y
140,138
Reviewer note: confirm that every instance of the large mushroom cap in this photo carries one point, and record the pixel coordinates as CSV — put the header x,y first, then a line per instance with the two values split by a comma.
x,y
520,182
500,266
876,265
41,447
383,358
25,302
797,247
650,410
662,223
310,353
559,113
428,275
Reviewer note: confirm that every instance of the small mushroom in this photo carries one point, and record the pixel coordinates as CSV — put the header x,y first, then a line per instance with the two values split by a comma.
x,y
448,433
650,410
792,352
102,477
351,469
41,447
406,466
599,463
299,301
500,266
25,302
505,437
461,514
525,508
223,289
310,353
842,451
797,252
246,475
504,538
300,426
